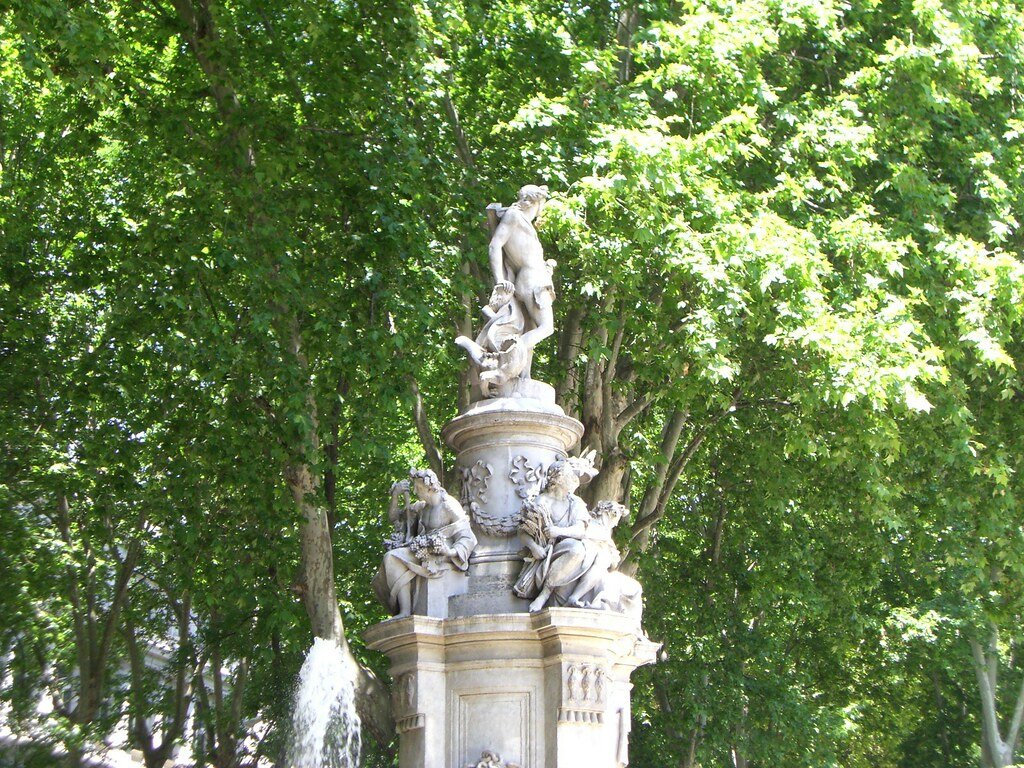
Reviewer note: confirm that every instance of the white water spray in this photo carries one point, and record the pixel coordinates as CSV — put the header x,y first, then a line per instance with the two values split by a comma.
x,y
325,726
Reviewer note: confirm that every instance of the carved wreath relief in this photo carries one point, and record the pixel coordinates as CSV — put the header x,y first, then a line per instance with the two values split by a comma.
x,y
475,480
526,477
475,483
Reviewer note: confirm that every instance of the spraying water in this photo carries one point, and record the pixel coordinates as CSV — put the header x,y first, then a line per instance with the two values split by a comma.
x,y
325,726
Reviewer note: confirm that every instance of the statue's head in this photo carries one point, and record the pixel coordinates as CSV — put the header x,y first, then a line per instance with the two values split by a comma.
x,y
609,512
426,480
532,198
572,472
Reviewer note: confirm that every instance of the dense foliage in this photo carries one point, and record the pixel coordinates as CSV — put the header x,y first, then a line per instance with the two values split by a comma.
x,y
239,238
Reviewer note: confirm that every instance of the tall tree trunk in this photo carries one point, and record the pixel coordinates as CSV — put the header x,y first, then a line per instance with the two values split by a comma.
x,y
201,34
998,752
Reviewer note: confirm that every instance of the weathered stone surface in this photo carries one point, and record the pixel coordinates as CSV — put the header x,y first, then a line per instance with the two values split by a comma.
x,y
480,680
519,313
543,690
502,455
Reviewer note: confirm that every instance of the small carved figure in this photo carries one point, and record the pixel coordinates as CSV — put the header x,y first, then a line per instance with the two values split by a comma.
x,y
519,313
599,683
499,352
570,683
432,535
403,694
491,759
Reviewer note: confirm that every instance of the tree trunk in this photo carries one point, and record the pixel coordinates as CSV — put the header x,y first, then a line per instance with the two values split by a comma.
x,y
996,751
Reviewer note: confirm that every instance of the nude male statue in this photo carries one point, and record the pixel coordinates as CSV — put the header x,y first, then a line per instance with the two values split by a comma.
x,y
519,312
517,263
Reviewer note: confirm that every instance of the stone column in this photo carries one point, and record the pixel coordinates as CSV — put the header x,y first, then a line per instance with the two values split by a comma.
x,y
503,447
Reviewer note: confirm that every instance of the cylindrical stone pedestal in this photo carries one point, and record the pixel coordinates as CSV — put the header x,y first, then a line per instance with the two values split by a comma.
x,y
543,690
503,448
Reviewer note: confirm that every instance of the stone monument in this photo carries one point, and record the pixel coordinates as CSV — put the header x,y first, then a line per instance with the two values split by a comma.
x,y
514,635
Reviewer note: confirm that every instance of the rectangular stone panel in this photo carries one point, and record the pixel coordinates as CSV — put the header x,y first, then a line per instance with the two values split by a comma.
x,y
496,721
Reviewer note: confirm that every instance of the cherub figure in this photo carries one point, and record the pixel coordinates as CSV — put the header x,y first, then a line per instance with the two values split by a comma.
x,y
498,352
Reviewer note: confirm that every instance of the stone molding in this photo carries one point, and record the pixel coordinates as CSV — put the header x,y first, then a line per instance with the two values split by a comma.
x,y
483,428
547,690
410,723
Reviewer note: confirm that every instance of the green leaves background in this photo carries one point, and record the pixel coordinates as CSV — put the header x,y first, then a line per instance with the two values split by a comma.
x,y
791,229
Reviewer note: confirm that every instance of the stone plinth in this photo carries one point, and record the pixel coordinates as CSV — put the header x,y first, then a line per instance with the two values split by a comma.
x,y
544,690
503,448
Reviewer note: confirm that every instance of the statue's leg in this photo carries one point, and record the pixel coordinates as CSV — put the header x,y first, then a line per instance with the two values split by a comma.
x,y
588,581
567,563
544,321
400,580
405,600
541,601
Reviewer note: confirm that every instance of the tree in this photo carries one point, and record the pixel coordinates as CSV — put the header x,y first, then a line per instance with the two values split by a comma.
x,y
789,292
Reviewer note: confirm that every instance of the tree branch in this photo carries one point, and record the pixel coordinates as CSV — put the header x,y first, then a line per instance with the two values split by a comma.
x,y
635,408
200,31
461,143
125,571
81,640
569,342
426,435
670,433
640,540
140,727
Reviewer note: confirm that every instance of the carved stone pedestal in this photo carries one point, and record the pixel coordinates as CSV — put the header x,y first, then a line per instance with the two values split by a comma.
x,y
543,690
431,597
503,447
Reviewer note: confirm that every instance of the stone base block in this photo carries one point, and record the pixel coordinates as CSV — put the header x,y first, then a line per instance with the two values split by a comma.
x,y
430,596
490,588
543,690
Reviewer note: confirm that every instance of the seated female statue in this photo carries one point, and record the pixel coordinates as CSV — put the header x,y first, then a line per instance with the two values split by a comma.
x,y
554,531
432,536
